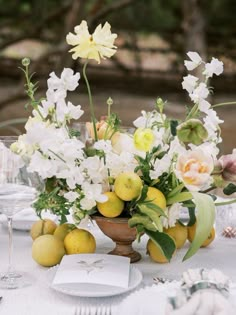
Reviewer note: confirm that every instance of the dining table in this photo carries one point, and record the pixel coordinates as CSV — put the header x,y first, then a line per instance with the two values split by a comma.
x,y
40,299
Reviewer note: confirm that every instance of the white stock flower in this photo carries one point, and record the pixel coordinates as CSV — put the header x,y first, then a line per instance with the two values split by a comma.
x,y
200,93
55,96
214,67
67,82
196,60
172,213
123,162
71,196
194,169
211,123
94,169
189,83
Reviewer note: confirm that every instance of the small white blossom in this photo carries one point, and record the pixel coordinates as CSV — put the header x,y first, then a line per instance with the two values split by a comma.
x,y
189,83
200,93
71,196
172,213
161,166
67,82
196,60
214,67
204,106
93,193
103,145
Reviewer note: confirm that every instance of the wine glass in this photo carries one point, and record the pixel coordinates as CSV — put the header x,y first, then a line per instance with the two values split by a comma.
x,y
18,190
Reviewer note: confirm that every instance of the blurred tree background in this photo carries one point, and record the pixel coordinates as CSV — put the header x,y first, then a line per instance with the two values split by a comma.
x,y
153,38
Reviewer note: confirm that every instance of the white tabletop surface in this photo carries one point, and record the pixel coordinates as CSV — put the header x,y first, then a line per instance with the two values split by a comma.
x,y
39,299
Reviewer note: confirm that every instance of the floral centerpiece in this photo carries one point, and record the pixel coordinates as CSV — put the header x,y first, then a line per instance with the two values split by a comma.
x,y
148,176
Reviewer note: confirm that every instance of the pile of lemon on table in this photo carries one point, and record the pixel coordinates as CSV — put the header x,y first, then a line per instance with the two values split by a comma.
x,y
51,241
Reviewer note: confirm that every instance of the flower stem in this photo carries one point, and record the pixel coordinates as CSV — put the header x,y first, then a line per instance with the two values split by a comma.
x,y
192,112
223,104
225,202
90,101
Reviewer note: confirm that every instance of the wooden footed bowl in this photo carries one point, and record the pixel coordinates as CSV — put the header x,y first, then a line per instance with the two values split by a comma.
x,y
122,235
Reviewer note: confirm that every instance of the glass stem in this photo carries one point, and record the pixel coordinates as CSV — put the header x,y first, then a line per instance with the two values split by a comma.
x,y
9,224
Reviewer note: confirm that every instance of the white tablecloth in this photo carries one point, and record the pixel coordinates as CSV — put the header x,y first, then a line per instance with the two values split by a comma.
x,y
39,299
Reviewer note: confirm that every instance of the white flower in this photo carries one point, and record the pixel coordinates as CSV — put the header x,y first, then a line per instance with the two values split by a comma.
x,y
103,145
189,83
211,123
148,119
196,60
42,165
204,106
123,142
67,82
214,67
45,109
71,196
93,193
172,213
55,96
194,169
68,111
200,93
160,166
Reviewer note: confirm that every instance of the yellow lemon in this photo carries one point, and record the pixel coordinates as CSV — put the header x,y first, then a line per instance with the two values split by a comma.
x,y
157,197
62,230
79,241
179,233
42,227
112,207
48,250
155,253
128,185
192,231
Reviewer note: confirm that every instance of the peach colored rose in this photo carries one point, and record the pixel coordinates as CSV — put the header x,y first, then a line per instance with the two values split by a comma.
x,y
194,168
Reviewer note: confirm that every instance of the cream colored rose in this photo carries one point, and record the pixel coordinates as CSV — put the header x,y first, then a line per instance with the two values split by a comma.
x,y
194,168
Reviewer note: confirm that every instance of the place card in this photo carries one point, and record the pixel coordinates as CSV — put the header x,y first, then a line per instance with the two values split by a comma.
x,y
98,269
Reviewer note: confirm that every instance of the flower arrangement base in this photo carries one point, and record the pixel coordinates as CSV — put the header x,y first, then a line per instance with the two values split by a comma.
x,y
122,235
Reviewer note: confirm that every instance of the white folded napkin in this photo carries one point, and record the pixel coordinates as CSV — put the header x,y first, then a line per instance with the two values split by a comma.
x,y
204,302
203,292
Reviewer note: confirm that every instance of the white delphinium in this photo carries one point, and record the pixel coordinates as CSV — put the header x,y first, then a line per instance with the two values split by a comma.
x,y
196,60
172,213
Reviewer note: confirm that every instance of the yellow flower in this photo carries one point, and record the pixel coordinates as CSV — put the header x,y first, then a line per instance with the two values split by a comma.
x,y
98,45
143,139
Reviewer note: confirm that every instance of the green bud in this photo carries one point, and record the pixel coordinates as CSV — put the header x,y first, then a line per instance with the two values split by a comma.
x,y
109,101
25,62
192,131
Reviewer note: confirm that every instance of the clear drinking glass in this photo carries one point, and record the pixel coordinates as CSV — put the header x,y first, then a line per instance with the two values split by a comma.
x,y
18,190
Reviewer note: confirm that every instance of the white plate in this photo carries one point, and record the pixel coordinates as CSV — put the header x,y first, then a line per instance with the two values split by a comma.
x,y
93,290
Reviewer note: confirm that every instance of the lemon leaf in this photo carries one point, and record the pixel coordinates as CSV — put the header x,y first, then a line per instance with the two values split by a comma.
x,y
164,242
205,219
181,197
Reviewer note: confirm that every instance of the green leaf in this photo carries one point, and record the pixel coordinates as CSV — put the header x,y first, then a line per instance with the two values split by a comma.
x,y
164,242
176,190
153,206
205,220
181,197
173,126
153,215
230,189
192,216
